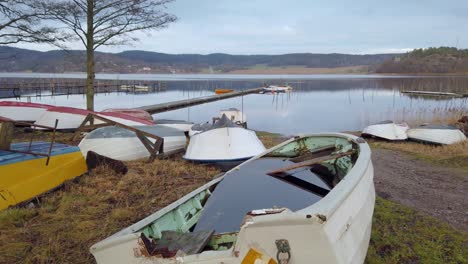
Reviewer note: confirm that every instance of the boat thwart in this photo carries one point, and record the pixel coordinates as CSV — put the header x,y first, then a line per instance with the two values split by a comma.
x,y
319,213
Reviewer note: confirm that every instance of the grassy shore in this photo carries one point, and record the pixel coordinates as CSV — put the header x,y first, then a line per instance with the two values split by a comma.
x,y
68,221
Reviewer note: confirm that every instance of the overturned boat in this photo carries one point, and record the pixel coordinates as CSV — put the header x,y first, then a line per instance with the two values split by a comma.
x,y
387,130
178,124
307,200
437,134
138,113
30,169
122,144
277,89
21,111
224,143
70,118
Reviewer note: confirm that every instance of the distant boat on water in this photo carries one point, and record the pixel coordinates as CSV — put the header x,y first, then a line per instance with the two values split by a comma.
x,y
223,91
276,89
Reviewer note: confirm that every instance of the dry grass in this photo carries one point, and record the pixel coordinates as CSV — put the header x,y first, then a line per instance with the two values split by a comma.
x,y
270,139
455,155
68,221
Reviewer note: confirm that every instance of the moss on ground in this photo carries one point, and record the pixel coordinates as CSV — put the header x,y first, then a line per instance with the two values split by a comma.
x,y
403,235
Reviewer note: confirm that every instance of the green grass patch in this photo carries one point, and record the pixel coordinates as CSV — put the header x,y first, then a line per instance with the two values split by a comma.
x,y
403,235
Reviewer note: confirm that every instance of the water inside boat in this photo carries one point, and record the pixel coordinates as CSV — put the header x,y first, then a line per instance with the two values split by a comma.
x,y
294,176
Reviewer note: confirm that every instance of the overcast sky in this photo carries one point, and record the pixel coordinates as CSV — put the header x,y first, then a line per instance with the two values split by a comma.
x,y
316,26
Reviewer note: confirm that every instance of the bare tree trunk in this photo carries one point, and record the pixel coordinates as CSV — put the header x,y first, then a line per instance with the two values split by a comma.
x,y
90,57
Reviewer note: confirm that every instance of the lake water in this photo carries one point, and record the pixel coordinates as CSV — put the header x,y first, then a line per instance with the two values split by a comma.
x,y
319,103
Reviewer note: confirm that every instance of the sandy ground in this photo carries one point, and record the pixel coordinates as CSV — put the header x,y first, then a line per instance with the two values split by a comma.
x,y
435,190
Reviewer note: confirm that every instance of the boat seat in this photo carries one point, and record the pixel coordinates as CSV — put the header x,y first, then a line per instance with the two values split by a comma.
x,y
171,242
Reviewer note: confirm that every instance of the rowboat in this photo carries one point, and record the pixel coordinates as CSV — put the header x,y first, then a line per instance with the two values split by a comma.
x,y
225,144
177,124
27,175
316,210
141,114
21,111
436,134
122,144
223,91
70,118
387,130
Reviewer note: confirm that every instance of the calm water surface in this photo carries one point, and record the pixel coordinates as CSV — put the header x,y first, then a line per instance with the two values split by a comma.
x,y
318,103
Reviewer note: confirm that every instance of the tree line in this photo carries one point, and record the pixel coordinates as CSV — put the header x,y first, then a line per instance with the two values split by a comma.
x,y
93,23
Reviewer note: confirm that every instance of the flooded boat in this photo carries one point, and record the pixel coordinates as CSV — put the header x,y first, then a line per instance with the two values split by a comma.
x,y
138,113
23,112
387,130
122,144
178,124
307,200
225,144
437,134
70,118
26,173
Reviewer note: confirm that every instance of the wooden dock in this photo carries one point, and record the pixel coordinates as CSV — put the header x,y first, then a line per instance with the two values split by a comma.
x,y
431,93
163,107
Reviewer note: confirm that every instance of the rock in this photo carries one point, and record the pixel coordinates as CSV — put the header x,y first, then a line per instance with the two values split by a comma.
x,y
94,160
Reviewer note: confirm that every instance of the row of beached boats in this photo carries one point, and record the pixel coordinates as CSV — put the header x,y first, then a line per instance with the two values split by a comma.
x,y
427,133
309,199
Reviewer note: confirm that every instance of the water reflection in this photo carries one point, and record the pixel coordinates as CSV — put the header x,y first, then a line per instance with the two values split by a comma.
x,y
316,105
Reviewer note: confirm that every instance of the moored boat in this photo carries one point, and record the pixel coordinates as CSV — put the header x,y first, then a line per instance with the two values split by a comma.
x,y
21,111
436,134
307,200
224,143
387,130
25,174
122,144
223,91
277,89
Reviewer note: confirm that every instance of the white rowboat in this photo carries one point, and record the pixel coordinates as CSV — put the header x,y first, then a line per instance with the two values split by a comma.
x,y
224,143
437,134
20,111
387,130
122,144
316,214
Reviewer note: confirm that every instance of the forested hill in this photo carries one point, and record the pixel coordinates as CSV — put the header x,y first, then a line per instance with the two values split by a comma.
x,y
19,60
431,60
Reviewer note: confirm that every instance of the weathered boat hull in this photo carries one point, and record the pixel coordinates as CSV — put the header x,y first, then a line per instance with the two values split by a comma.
x,y
389,131
71,118
177,124
137,113
121,144
25,176
20,111
224,145
334,230
436,136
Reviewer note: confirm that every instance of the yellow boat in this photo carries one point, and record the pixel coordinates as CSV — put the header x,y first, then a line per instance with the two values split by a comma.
x,y
24,176
223,91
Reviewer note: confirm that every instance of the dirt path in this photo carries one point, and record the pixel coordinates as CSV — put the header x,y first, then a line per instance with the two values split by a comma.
x,y
439,191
